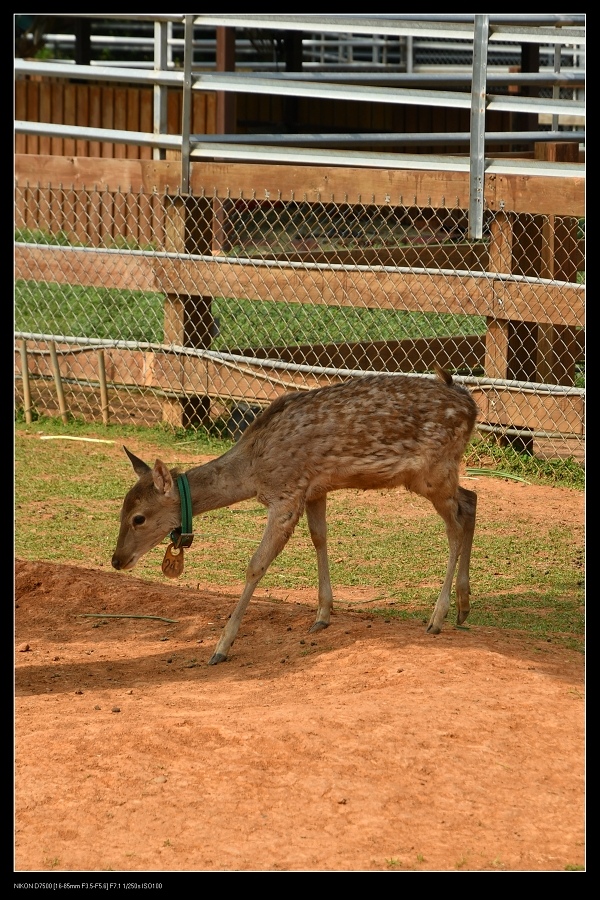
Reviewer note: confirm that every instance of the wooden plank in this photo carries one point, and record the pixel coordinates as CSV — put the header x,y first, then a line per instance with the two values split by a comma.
x,y
538,412
547,303
70,116
120,120
146,120
45,145
426,292
58,105
33,112
465,256
500,260
332,184
82,107
107,107
388,290
107,218
409,355
211,112
496,344
535,195
20,108
83,267
95,117
158,221
198,114
133,120
95,218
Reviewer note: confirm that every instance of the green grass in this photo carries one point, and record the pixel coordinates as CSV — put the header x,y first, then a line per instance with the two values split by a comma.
x,y
63,309
487,451
108,314
68,495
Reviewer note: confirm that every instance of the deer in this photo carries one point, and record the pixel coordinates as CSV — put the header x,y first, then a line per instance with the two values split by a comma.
x,y
371,431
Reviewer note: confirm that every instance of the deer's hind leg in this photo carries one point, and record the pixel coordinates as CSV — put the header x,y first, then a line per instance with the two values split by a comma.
x,y
458,513
467,507
316,515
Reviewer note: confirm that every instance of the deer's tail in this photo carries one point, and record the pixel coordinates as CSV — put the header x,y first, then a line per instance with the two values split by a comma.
x,y
444,376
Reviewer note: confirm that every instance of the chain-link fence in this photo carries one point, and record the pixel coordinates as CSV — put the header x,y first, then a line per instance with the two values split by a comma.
x,y
198,311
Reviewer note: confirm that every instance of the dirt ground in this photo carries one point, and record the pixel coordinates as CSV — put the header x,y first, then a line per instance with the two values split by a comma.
x,y
370,746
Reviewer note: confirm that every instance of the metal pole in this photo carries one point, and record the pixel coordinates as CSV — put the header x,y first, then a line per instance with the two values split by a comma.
x,y
556,89
60,395
103,387
159,112
409,54
26,386
477,149
186,103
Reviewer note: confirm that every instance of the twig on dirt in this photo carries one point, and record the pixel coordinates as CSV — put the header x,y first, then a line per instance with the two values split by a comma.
x,y
119,616
68,437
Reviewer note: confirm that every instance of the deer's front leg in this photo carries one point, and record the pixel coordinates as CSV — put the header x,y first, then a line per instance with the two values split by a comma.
x,y
281,522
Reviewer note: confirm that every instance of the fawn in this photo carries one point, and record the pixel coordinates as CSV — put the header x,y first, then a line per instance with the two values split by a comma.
x,y
372,431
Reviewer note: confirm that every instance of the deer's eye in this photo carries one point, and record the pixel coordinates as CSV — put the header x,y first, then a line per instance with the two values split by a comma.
x,y
138,520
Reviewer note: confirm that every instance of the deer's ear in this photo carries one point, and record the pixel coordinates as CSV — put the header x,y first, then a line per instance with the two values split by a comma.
x,y
139,466
163,481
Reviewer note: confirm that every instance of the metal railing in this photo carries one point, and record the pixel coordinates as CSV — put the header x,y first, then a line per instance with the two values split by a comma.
x,y
480,32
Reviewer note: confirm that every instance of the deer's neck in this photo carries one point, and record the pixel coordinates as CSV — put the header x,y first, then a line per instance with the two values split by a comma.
x,y
220,482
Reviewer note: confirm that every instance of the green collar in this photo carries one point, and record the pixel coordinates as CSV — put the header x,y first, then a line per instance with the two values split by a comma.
x,y
183,536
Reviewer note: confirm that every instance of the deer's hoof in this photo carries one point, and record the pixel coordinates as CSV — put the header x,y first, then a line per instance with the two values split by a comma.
x,y
318,626
461,616
433,629
216,658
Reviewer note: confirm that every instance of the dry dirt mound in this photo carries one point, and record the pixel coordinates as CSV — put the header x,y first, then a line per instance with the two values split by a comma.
x,y
369,746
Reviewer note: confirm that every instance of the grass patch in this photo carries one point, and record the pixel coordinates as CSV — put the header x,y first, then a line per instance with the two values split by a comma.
x,y
486,451
102,313
110,314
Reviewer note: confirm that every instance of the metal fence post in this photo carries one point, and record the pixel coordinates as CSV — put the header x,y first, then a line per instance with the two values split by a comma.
x,y
186,103
477,152
159,113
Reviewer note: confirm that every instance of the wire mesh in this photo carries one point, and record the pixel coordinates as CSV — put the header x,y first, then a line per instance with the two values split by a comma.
x,y
199,311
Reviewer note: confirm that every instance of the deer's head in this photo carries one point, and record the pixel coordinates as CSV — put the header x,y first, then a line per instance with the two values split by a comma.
x,y
150,511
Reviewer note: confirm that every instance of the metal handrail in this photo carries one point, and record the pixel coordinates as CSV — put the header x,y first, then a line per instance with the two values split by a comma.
x,y
480,28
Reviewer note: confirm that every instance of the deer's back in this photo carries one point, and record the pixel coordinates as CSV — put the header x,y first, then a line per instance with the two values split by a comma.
x,y
374,431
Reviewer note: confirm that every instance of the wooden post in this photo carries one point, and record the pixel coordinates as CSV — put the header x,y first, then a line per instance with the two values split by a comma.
x,y
58,383
188,320
225,62
26,385
83,46
554,359
540,247
103,387
498,330
292,41
530,62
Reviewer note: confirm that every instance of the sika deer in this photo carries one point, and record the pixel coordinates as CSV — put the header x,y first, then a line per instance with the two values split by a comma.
x,y
375,431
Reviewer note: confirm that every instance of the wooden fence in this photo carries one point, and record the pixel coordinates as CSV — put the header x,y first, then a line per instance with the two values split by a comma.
x,y
549,313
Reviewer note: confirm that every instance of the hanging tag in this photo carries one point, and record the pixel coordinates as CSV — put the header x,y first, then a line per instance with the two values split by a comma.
x,y
172,564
